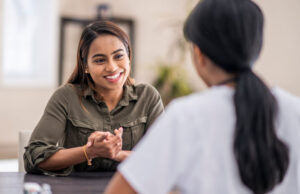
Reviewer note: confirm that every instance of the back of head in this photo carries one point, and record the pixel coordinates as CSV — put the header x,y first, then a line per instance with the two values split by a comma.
x,y
230,33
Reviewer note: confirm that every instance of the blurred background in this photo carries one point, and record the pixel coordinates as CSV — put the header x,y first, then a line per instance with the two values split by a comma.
x,y
38,44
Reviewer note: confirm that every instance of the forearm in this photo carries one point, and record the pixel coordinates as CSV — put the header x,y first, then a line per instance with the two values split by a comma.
x,y
119,184
63,159
123,155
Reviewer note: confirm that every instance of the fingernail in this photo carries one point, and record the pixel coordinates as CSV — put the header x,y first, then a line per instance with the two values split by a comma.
x,y
89,144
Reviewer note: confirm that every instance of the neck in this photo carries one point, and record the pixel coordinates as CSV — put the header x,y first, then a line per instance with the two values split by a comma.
x,y
221,77
110,97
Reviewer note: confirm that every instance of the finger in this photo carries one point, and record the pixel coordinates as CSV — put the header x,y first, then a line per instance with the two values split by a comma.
x,y
117,141
119,131
95,137
89,144
101,137
116,131
112,141
109,136
91,139
114,147
118,147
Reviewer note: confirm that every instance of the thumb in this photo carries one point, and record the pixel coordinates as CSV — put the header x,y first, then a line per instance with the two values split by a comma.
x,y
119,132
91,140
101,137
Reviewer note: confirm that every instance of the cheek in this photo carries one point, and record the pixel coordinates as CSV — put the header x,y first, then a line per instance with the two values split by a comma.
x,y
96,71
198,69
127,71
196,63
126,65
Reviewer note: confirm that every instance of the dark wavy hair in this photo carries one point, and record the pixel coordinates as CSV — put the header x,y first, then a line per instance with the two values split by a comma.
x,y
89,34
230,33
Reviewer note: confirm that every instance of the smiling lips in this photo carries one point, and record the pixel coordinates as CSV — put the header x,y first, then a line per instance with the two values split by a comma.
x,y
114,77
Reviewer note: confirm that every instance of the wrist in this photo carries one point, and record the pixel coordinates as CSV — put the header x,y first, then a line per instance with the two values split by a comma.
x,y
86,155
122,155
90,153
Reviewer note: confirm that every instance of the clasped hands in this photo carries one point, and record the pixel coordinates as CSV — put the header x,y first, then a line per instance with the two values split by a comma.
x,y
106,145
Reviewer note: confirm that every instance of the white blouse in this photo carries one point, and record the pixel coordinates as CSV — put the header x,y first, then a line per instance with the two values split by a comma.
x,y
190,147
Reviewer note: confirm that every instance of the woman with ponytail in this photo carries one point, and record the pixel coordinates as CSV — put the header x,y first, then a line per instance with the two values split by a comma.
x,y
239,136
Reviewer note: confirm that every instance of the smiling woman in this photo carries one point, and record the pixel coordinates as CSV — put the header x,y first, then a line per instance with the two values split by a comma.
x,y
99,115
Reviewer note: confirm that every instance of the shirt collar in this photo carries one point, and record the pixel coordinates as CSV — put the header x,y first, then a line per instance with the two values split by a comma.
x,y
88,92
129,94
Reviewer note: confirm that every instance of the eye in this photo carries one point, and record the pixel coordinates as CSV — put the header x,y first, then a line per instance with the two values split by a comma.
x,y
99,60
119,56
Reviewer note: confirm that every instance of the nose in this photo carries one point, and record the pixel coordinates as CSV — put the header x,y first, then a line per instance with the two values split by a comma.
x,y
111,66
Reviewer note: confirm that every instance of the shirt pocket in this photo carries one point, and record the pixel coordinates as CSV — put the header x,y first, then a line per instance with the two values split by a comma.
x,y
78,132
133,131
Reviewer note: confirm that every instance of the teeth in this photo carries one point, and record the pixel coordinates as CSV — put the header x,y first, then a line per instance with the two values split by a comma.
x,y
114,76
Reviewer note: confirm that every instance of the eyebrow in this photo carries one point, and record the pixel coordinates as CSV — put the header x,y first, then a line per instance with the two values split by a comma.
x,y
102,55
117,51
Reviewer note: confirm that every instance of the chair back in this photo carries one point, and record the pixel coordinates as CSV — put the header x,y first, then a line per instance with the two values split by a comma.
x,y
24,137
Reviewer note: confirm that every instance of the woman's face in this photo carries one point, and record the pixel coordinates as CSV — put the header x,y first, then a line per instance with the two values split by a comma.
x,y
108,63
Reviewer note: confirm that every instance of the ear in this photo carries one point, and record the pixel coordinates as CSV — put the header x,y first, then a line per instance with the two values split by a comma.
x,y
86,70
199,57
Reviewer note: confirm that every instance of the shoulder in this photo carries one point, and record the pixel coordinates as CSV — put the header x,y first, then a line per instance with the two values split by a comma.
x,y
145,88
288,118
285,96
65,91
286,100
212,100
146,91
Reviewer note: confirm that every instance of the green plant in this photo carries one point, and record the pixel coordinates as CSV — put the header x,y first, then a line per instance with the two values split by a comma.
x,y
171,82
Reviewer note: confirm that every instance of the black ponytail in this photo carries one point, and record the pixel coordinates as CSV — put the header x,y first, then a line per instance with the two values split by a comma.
x,y
230,33
262,158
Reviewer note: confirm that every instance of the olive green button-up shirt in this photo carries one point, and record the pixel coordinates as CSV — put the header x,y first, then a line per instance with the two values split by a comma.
x,y
69,120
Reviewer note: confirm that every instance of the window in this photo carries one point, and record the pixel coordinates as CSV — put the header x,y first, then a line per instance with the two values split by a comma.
x,y
30,31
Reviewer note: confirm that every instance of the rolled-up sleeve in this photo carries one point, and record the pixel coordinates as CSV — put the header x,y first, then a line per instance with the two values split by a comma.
x,y
50,129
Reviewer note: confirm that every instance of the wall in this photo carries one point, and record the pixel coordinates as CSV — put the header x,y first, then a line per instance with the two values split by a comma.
x,y
20,110
279,62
